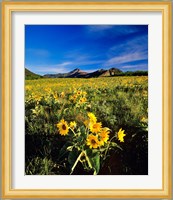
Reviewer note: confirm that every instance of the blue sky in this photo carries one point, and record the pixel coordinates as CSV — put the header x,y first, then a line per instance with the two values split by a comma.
x,y
62,48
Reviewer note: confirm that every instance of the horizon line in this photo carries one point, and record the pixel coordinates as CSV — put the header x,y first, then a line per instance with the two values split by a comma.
x,y
87,71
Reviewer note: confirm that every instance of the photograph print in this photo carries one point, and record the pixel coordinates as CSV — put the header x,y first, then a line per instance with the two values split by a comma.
x,y
86,99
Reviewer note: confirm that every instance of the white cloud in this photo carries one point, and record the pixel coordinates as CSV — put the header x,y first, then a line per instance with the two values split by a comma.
x,y
63,67
132,50
51,70
63,64
139,43
57,68
136,56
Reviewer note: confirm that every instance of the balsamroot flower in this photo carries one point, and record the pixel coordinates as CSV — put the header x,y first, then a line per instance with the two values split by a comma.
x,y
73,125
95,128
121,135
104,135
92,118
63,127
92,141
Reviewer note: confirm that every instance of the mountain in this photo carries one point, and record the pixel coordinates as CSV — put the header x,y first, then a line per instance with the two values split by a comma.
x,y
30,75
59,75
96,73
77,73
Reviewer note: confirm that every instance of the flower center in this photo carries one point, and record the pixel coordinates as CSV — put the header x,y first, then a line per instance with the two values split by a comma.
x,y
64,127
93,141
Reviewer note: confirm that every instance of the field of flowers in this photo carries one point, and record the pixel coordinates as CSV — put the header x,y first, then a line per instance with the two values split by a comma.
x,y
86,126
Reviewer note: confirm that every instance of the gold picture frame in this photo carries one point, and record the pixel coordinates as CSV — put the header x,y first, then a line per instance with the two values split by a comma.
x,y
7,9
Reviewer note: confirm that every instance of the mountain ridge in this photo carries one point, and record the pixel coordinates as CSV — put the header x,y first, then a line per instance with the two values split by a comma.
x,y
77,73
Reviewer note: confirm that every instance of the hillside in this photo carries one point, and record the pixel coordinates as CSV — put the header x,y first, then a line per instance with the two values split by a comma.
x,y
30,75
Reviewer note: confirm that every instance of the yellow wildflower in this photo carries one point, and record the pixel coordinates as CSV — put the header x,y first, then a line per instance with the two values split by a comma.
x,y
95,127
37,97
87,123
104,135
47,89
73,98
73,125
28,87
121,135
84,93
63,127
92,141
79,92
144,120
92,118
55,96
62,94
82,100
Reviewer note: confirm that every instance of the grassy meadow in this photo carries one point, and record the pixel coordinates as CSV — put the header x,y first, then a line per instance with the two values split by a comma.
x,y
86,126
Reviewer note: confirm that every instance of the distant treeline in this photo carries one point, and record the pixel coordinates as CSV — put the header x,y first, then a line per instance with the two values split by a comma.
x,y
135,73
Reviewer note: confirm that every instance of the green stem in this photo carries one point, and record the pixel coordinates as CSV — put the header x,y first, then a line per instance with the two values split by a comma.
x,y
77,160
89,163
108,147
72,131
62,109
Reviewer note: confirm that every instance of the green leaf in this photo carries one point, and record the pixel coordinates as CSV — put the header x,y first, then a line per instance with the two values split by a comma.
x,y
88,152
82,131
95,161
73,155
79,138
113,144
